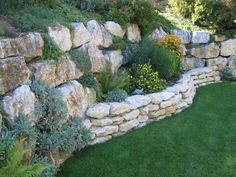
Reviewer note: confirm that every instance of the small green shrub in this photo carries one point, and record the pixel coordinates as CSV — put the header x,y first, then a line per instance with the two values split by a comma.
x,y
116,96
12,166
82,60
2,31
51,51
143,77
118,44
88,80
228,74
162,60
54,132
23,128
109,82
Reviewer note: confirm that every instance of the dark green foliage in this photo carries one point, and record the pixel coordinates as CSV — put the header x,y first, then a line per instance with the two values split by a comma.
x,y
82,60
215,15
16,4
12,167
109,82
2,31
88,80
116,96
228,74
143,77
198,142
118,44
162,60
51,51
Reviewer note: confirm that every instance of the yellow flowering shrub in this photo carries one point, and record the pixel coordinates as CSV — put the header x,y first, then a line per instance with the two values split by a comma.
x,y
143,77
173,43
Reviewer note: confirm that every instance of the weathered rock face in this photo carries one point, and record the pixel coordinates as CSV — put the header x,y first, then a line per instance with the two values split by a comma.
x,y
115,29
184,35
77,98
13,72
200,37
98,111
119,108
129,125
55,73
115,59
99,35
232,61
133,33
61,37
217,63
29,45
157,34
80,35
208,51
21,101
137,101
194,62
96,56
228,47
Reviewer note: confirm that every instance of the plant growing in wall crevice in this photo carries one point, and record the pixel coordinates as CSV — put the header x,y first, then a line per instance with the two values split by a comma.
x,y
51,51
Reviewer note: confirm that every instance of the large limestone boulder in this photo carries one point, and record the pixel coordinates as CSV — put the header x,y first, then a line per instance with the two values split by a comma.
x,y
98,111
217,63
80,35
228,47
157,34
115,29
29,45
138,101
99,35
194,62
119,108
55,73
77,98
206,51
129,125
115,59
133,33
98,59
104,131
61,37
200,37
184,35
21,101
13,72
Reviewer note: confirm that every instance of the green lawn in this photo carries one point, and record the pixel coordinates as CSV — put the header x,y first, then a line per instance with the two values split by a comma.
x,y
199,142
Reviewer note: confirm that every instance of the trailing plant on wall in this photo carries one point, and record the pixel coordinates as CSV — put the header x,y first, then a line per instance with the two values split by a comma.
x,y
82,60
51,51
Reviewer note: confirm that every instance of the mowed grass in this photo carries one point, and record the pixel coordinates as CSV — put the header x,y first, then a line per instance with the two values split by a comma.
x,y
198,142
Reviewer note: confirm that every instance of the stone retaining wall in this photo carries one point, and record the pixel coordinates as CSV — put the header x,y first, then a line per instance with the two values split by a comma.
x,y
106,120
20,63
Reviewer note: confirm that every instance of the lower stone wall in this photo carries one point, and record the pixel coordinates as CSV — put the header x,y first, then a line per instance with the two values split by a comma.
x,y
106,120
